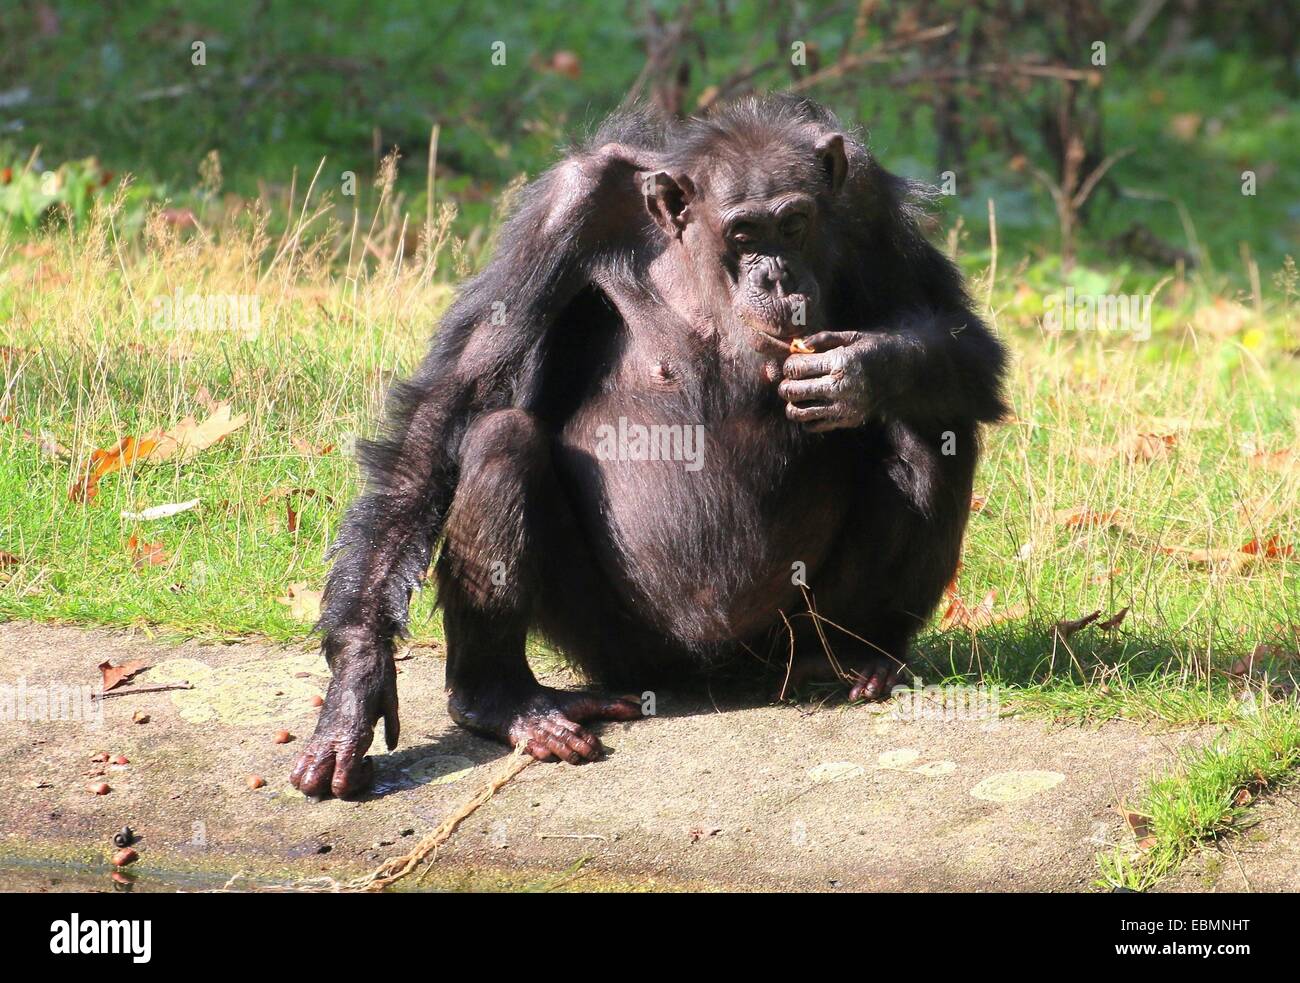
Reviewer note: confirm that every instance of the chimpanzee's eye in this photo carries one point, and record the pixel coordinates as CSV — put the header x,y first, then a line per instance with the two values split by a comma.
x,y
742,234
794,226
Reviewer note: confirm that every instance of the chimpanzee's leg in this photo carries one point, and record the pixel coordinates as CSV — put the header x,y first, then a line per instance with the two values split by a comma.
x,y
893,564
509,526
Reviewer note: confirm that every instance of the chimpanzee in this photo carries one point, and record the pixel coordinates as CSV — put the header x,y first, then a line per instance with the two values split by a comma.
x,y
713,363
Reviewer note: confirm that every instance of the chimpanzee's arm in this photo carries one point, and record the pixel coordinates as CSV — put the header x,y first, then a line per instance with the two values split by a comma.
x,y
488,355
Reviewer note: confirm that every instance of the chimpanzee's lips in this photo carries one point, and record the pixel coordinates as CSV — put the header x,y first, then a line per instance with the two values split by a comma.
x,y
772,339
780,324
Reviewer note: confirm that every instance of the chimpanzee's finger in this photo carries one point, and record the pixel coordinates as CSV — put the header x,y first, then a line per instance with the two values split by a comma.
x,y
313,773
806,414
352,769
392,725
824,340
810,366
801,391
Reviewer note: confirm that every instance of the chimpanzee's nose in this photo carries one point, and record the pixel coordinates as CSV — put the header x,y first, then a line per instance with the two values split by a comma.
x,y
768,272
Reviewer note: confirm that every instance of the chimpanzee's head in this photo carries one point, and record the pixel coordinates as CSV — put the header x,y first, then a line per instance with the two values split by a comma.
x,y
749,200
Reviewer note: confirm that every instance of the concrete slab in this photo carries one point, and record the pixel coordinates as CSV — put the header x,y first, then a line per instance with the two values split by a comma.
x,y
707,794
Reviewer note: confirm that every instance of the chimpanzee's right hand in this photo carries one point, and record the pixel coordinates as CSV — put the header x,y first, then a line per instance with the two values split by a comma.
x,y
334,760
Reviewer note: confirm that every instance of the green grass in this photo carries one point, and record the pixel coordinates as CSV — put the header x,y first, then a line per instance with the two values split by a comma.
x,y
1208,795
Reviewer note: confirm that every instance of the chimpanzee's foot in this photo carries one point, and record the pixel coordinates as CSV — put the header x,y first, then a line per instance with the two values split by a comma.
x,y
868,677
546,721
874,678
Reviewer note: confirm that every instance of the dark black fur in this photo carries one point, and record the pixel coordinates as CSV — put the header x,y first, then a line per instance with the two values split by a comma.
x,y
472,444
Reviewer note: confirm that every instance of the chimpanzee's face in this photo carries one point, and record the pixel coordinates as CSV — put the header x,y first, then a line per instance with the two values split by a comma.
x,y
752,223
760,240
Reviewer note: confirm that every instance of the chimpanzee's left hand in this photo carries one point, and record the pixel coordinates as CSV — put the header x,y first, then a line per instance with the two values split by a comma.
x,y
830,388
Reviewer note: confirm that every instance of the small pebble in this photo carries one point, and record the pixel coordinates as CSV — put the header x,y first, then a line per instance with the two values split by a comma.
x,y
121,759
317,701
283,737
98,788
124,857
256,781
99,756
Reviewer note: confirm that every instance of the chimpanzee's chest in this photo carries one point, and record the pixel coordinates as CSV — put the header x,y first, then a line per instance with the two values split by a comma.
x,y
679,473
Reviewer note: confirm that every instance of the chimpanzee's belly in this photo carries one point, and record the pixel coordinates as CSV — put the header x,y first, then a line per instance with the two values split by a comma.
x,y
703,527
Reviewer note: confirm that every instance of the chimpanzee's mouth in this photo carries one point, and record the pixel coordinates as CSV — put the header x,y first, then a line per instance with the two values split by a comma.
x,y
772,340
783,320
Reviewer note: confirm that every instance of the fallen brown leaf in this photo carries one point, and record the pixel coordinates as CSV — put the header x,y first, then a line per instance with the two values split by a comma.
x,y
182,442
1231,561
1286,459
188,438
307,449
1257,512
1138,448
1064,629
1227,561
1088,518
104,462
1114,621
115,675
1139,824
146,554
1272,548
961,615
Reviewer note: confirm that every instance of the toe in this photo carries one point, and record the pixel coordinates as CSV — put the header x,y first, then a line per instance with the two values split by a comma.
x,y
875,683
585,707
314,773
539,751
555,736
351,774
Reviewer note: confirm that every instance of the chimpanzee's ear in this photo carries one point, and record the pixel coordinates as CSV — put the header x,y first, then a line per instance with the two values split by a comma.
x,y
830,154
667,198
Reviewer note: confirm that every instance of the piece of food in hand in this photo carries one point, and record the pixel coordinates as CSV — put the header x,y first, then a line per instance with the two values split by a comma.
x,y
801,347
